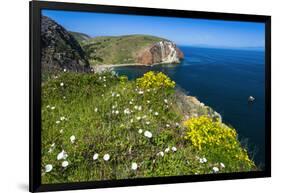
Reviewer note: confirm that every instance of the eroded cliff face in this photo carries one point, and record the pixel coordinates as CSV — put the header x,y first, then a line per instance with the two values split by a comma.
x,y
160,52
60,50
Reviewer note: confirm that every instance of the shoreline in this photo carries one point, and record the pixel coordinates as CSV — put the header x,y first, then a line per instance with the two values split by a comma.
x,y
104,67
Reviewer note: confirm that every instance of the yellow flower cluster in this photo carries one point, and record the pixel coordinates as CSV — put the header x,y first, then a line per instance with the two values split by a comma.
x,y
203,131
210,135
155,80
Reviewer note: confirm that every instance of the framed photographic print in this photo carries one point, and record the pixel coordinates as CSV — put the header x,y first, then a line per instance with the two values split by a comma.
x,y
123,96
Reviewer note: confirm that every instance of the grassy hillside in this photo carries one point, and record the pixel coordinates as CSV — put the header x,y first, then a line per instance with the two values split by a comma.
x,y
101,126
116,49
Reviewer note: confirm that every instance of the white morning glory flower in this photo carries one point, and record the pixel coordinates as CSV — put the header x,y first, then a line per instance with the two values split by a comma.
x,y
64,70
116,112
177,124
95,156
134,166
174,149
138,118
96,109
127,111
61,84
148,101
62,155
202,160
72,138
216,169
64,164
147,122
140,131
165,100
167,150
61,131
118,95
222,165
106,157
57,122
48,106
140,92
161,153
148,134
53,107
167,125
156,113
48,168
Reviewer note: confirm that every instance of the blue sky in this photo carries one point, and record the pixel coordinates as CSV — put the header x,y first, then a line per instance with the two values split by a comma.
x,y
183,31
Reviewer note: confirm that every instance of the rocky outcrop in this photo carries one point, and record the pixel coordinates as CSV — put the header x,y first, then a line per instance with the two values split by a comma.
x,y
60,50
190,106
160,52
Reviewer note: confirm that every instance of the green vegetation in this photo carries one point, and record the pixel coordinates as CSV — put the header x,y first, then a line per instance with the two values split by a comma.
x,y
102,126
116,49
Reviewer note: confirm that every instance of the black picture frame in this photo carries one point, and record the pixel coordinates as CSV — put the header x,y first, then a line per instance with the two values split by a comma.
x,y
35,95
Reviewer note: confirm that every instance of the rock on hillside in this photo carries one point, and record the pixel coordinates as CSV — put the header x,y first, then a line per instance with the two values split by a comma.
x,y
60,50
160,52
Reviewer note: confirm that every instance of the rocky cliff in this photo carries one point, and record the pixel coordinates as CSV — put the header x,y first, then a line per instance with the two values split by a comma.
x,y
160,52
60,50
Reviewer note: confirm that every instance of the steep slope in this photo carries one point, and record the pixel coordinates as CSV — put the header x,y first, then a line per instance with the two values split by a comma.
x,y
60,50
80,37
139,49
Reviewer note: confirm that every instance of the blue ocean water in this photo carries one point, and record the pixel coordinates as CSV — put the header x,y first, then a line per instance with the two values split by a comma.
x,y
223,79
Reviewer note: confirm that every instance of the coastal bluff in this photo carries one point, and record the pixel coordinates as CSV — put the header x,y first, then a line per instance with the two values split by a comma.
x,y
129,50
